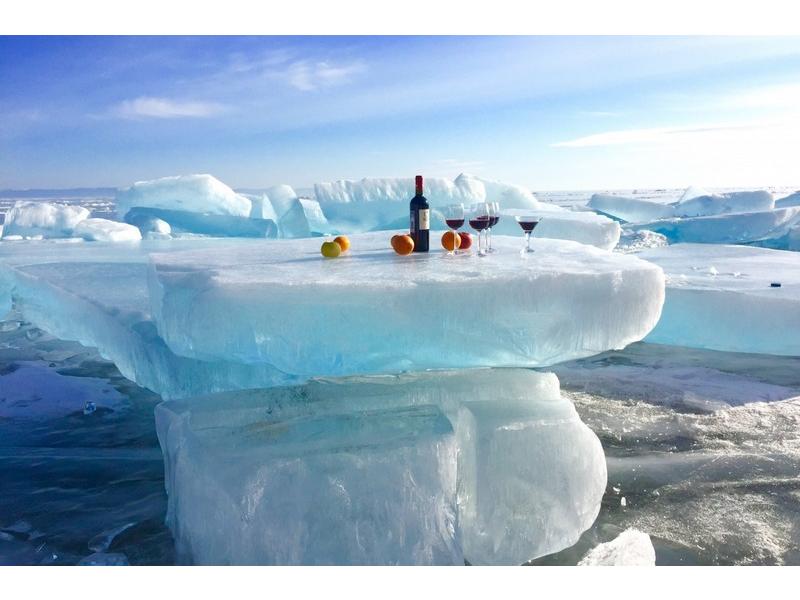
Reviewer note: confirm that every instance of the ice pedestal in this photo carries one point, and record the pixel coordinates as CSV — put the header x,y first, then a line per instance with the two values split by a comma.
x,y
721,298
491,466
371,311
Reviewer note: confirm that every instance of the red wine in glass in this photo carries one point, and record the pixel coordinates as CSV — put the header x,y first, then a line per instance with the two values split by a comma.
x,y
454,224
528,225
479,223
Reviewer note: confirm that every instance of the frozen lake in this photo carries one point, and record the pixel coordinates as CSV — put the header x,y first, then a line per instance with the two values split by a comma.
x,y
711,484
702,447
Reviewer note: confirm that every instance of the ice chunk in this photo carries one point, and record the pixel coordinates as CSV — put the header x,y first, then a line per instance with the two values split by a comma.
x,y
507,194
631,548
693,191
556,223
491,466
304,219
148,224
636,241
736,228
375,312
439,191
103,230
31,218
192,193
206,224
382,204
735,310
787,201
629,209
282,198
733,202
261,208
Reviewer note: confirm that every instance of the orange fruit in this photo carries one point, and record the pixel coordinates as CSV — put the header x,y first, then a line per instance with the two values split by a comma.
x,y
330,249
344,242
403,244
451,241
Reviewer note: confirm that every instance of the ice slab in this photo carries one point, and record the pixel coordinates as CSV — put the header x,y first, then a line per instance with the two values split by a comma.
x,y
720,297
99,297
371,311
631,548
560,224
261,208
693,203
636,241
790,200
304,219
149,225
191,193
382,204
693,191
206,224
491,466
46,219
632,210
281,197
736,228
438,190
104,230
732,202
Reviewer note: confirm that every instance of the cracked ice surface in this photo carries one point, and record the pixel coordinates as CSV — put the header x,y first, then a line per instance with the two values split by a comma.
x,y
491,466
371,311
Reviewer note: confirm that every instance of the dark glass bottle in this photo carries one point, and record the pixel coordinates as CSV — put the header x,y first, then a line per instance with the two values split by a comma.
x,y
420,219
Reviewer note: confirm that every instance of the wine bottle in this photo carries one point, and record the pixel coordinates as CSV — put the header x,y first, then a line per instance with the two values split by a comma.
x,y
420,219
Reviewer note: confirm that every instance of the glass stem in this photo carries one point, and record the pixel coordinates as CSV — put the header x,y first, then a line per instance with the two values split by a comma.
x,y
527,241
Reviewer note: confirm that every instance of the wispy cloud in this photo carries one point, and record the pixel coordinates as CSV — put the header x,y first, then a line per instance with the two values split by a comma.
x,y
147,107
651,135
308,76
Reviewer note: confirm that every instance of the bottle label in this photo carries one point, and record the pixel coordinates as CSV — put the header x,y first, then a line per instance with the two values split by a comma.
x,y
424,219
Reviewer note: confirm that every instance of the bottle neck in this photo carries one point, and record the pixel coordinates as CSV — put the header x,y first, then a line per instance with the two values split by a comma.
x,y
419,185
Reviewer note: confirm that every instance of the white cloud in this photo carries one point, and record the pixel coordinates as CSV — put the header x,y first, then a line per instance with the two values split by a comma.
x,y
653,135
164,108
308,76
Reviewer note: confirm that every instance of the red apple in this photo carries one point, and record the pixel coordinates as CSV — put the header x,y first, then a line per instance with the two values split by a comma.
x,y
466,240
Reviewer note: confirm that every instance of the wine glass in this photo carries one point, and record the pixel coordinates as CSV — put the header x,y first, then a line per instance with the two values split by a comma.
x,y
454,217
494,218
479,220
528,223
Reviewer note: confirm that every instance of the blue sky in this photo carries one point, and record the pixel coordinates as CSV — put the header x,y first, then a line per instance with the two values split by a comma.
x,y
546,112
